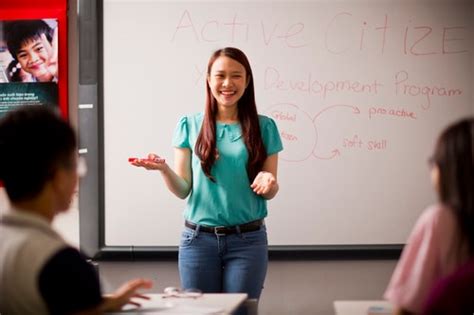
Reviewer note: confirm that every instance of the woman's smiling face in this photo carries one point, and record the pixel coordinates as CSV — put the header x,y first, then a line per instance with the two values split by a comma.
x,y
227,81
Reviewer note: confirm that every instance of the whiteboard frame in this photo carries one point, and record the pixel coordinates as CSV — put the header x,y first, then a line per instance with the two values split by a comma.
x,y
92,187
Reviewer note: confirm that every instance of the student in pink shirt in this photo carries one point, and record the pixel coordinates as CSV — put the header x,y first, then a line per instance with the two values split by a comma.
x,y
443,236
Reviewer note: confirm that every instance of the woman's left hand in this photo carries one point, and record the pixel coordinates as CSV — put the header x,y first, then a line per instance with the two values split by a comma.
x,y
263,183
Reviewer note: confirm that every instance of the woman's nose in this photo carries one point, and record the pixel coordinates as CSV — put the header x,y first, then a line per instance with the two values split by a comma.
x,y
226,82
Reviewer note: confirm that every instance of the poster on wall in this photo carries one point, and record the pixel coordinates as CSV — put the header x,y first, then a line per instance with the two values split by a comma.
x,y
28,63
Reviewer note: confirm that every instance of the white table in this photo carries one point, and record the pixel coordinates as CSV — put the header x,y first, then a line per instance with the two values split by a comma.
x,y
208,303
375,307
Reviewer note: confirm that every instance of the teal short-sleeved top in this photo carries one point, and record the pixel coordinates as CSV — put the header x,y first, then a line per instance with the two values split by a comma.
x,y
229,200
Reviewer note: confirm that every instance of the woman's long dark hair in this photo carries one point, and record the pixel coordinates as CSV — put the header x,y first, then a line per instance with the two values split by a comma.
x,y
248,117
454,156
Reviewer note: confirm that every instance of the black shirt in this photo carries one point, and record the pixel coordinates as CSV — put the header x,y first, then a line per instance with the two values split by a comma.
x,y
68,283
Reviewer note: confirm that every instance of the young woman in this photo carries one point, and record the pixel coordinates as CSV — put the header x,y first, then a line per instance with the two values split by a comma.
x,y
226,162
40,273
443,237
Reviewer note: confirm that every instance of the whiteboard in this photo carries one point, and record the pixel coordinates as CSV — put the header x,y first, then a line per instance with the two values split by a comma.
x,y
359,91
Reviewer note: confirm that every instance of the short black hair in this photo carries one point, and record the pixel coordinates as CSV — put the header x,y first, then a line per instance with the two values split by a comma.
x,y
19,32
34,143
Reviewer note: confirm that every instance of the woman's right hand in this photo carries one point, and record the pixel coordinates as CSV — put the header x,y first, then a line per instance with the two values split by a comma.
x,y
178,181
153,162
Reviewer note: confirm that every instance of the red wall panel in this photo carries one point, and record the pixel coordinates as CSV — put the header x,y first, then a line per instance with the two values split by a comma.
x,y
45,9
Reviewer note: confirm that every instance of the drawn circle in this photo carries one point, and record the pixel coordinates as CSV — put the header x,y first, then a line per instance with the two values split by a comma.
x,y
297,130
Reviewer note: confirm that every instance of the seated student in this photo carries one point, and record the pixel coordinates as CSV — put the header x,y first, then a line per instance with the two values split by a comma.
x,y
34,44
453,294
39,272
443,237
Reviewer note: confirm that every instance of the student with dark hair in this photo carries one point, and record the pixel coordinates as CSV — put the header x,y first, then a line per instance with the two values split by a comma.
x,y
443,237
226,163
34,44
39,272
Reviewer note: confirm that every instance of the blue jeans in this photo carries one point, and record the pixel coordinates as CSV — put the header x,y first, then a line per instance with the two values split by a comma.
x,y
234,263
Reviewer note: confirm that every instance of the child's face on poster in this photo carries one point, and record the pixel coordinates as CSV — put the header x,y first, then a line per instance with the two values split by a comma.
x,y
34,58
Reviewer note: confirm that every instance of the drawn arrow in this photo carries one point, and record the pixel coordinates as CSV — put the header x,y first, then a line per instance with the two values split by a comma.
x,y
355,109
335,153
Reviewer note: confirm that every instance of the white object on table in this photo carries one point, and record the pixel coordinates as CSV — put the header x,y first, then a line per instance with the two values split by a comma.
x,y
208,303
375,307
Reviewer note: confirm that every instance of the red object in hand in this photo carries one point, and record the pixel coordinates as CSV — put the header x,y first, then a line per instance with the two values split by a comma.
x,y
135,159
